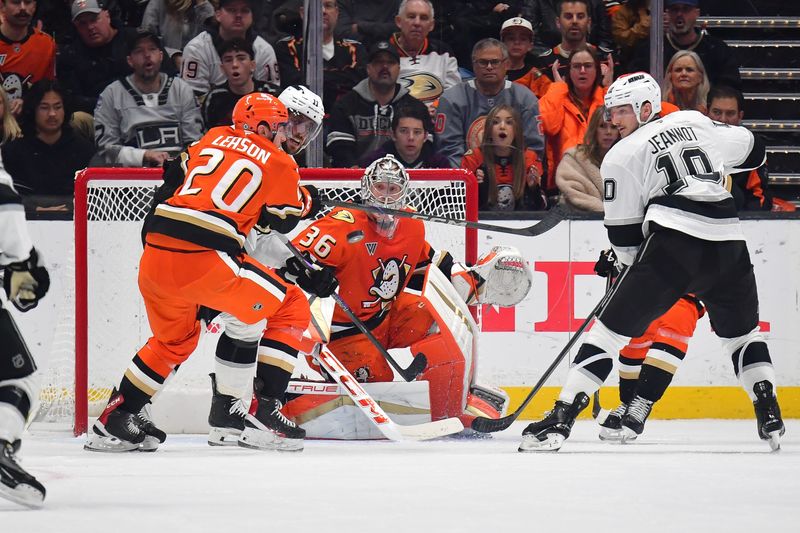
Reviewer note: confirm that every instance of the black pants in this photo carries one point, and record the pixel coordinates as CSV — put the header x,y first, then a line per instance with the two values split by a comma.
x,y
671,264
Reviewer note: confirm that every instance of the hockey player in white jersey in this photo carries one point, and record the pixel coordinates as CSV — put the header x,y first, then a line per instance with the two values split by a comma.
x,y
674,226
25,281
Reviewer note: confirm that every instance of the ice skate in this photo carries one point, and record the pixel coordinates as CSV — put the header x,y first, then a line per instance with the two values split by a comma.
x,y
768,415
15,483
611,427
266,428
117,430
226,417
633,420
549,434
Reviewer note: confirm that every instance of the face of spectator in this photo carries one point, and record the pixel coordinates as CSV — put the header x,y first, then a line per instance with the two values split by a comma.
x,y
415,22
624,119
685,75
489,65
573,21
502,129
725,110
18,13
50,113
607,135
519,42
383,70
234,18
238,67
582,71
94,29
682,18
330,15
145,60
409,138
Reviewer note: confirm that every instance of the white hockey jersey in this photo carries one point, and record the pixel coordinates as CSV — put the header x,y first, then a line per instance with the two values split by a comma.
x,y
201,63
671,172
15,241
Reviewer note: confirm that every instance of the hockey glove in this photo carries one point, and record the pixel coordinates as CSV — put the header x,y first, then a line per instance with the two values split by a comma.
x,y
501,277
607,265
311,201
319,281
271,222
26,282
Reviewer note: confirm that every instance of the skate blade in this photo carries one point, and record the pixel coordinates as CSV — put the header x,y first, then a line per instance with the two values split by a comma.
x,y
23,494
223,437
552,443
257,439
610,435
774,440
109,444
627,435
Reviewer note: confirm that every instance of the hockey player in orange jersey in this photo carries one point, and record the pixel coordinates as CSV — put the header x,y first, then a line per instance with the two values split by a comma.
x,y
385,269
235,177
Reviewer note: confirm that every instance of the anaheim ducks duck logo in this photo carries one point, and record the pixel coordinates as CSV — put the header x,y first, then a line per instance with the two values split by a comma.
x,y
424,86
474,135
390,277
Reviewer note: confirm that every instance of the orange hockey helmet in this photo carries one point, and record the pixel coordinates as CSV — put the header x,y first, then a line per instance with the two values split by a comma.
x,y
253,109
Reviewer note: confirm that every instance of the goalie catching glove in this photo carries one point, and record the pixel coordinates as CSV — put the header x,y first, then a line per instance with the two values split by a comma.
x,y
311,205
320,280
501,277
26,282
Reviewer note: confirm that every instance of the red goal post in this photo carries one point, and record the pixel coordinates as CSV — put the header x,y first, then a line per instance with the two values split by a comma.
x,y
110,204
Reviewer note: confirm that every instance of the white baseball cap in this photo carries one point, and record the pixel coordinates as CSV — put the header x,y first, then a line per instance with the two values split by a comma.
x,y
516,22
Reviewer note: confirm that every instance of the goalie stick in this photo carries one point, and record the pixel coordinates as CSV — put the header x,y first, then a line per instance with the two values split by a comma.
x,y
490,425
548,222
413,370
376,414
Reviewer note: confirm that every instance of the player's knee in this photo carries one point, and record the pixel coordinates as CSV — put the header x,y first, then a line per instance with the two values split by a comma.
x,y
594,360
236,329
747,351
294,311
605,339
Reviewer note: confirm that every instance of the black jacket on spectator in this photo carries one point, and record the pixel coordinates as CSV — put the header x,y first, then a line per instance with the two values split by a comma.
x,y
542,15
219,103
375,19
340,74
44,169
87,71
720,61
428,158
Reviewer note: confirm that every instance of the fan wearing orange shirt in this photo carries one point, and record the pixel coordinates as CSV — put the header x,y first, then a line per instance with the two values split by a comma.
x,y
235,177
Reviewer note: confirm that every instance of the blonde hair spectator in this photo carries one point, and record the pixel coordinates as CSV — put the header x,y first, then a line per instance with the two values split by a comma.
x,y
685,82
11,129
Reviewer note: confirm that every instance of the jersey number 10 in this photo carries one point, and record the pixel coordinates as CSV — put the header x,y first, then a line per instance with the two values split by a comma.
x,y
692,157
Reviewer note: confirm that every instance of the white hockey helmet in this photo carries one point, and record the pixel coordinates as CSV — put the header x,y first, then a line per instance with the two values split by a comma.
x,y
305,114
635,89
385,183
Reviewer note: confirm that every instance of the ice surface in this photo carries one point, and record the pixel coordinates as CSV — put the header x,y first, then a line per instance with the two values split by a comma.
x,y
682,476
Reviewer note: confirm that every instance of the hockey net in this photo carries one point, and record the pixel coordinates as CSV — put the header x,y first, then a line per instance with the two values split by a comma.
x,y
110,322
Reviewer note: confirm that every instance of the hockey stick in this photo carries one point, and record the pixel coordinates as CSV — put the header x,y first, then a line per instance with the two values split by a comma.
x,y
597,408
376,414
413,370
490,425
548,222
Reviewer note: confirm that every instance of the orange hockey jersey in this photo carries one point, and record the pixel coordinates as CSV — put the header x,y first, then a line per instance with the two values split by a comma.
x,y
23,63
231,175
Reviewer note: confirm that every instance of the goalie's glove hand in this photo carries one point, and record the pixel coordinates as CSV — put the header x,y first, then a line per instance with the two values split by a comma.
x,y
311,201
26,282
501,277
319,280
607,265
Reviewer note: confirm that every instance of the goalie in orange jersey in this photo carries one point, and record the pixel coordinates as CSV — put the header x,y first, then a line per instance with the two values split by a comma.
x,y
235,176
409,296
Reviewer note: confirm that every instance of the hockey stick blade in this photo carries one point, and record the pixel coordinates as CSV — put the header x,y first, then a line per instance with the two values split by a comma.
x,y
548,222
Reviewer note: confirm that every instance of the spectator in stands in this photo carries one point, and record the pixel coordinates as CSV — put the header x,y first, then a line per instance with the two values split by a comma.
x,y
28,55
630,24
427,66
462,109
238,64
44,160
367,21
508,173
568,105
574,22
685,82
9,128
578,174
201,61
719,58
476,20
361,120
176,21
545,15
750,189
343,59
411,126
147,117
517,34
98,57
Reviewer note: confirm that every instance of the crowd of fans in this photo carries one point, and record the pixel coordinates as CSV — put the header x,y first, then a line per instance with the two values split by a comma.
x,y
511,90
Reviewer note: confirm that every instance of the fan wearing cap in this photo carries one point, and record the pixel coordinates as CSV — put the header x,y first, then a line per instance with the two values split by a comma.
x,y
144,118
517,34
28,55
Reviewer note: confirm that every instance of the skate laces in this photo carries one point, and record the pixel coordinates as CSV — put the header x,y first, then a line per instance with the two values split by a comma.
x,y
238,408
619,411
639,408
277,412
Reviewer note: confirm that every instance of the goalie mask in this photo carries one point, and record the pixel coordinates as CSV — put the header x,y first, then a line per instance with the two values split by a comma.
x,y
385,184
